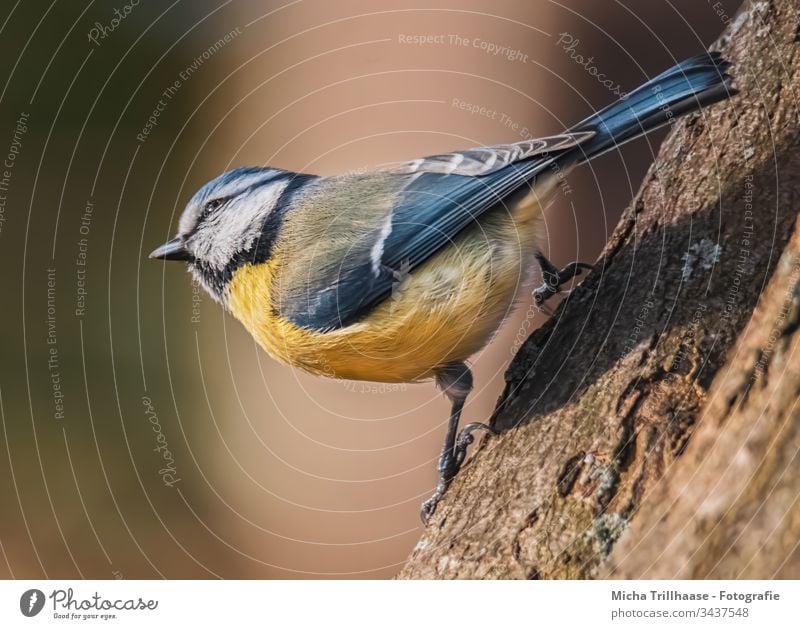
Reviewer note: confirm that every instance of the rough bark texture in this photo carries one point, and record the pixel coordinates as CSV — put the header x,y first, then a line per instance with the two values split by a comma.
x,y
648,410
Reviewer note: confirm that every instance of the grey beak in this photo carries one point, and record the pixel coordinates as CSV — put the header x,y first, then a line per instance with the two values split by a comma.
x,y
173,250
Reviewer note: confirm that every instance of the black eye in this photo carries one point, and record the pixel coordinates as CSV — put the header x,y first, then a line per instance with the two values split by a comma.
x,y
213,204
210,206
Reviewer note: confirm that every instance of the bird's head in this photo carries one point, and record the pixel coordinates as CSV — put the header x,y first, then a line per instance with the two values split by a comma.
x,y
230,221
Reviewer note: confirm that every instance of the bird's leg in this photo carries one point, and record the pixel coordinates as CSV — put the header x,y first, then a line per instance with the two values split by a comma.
x,y
456,382
554,279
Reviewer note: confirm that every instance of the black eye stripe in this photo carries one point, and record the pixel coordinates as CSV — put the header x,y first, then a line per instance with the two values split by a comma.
x,y
213,204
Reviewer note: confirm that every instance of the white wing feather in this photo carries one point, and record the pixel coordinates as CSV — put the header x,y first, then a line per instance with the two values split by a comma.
x,y
488,159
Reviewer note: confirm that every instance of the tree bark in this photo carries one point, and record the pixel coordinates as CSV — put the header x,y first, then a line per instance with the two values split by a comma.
x,y
651,428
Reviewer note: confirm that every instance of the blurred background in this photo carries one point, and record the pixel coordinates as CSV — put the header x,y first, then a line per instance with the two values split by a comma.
x,y
144,434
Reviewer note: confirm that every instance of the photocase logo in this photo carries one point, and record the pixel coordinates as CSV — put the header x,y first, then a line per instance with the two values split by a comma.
x,y
31,603
67,606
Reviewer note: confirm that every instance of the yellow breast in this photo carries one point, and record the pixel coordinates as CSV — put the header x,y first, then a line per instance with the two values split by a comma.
x,y
445,311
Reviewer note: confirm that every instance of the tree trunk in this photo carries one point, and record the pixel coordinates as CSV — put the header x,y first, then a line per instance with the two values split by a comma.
x,y
651,428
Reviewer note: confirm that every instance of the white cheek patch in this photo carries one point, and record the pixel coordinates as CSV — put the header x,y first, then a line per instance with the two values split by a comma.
x,y
237,225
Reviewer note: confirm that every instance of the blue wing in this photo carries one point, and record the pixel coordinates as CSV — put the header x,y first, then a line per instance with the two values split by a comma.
x,y
429,210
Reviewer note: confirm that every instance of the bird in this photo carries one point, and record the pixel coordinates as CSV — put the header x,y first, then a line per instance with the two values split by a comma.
x,y
402,273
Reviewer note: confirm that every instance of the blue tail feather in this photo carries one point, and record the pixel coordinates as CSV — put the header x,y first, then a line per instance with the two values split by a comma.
x,y
683,89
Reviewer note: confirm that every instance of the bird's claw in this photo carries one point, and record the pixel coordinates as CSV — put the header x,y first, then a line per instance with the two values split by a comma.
x,y
449,465
554,279
429,507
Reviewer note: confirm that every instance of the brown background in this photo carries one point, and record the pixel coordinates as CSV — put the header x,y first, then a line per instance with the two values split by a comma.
x,y
282,474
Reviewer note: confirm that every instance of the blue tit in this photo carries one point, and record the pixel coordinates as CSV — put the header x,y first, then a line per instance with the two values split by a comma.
x,y
401,274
